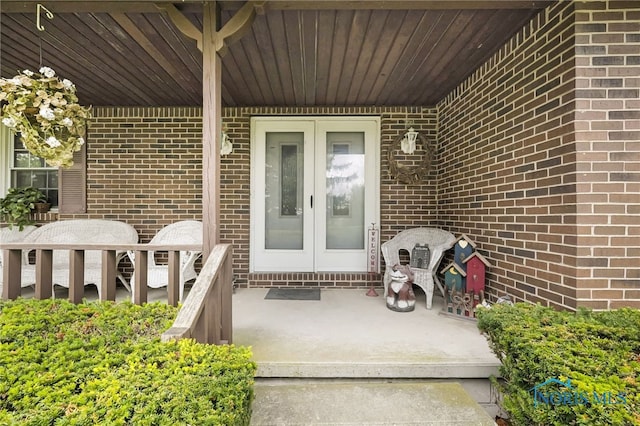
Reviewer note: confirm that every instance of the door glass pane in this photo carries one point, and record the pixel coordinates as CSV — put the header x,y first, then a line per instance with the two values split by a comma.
x,y
284,190
345,190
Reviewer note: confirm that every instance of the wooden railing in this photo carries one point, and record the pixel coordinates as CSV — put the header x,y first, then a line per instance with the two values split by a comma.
x,y
205,314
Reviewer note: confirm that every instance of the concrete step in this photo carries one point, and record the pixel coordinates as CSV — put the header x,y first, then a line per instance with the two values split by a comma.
x,y
425,369
348,402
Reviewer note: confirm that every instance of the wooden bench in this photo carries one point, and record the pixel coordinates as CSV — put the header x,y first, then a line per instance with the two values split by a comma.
x,y
438,240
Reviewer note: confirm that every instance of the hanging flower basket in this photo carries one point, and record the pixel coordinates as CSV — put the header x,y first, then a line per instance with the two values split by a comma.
x,y
46,113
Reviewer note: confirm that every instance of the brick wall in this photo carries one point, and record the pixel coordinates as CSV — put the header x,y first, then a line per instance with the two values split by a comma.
x,y
145,168
608,153
537,160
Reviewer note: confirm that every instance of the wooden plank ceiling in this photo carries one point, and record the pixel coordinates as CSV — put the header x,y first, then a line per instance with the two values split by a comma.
x,y
296,53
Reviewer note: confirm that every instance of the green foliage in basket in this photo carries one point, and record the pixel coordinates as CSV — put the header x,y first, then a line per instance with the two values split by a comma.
x,y
16,206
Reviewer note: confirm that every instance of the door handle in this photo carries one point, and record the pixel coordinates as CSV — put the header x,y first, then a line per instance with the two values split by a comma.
x,y
311,201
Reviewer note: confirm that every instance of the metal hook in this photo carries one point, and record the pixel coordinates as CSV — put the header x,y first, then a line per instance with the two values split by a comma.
x,y
48,14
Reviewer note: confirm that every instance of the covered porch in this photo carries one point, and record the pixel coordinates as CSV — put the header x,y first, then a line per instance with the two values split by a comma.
x,y
531,109
533,127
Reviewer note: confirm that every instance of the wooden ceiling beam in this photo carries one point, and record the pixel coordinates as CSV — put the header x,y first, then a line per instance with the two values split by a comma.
x,y
182,23
231,32
143,41
90,6
149,6
238,25
401,4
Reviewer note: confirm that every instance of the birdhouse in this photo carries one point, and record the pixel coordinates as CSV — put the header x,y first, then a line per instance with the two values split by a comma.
x,y
463,249
454,288
476,266
454,278
464,279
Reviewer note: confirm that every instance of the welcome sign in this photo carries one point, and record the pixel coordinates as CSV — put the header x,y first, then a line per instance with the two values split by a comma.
x,y
373,256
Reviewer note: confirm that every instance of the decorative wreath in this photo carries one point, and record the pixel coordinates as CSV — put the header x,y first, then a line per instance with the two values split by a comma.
x,y
405,174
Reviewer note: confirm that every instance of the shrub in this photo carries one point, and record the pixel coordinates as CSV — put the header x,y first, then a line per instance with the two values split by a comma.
x,y
596,356
104,363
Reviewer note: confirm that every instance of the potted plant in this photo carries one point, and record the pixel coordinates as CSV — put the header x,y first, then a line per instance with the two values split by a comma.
x,y
16,207
44,110
42,206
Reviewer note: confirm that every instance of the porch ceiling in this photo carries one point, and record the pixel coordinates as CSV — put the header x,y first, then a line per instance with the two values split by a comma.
x,y
334,53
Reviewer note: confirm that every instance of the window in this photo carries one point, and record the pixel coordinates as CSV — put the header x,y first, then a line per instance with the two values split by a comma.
x,y
65,188
21,168
29,170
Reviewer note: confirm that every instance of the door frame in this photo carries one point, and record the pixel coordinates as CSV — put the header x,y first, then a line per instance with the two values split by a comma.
x,y
367,121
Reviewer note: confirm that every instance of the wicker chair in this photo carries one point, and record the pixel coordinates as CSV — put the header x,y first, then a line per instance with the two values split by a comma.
x,y
184,232
78,231
438,240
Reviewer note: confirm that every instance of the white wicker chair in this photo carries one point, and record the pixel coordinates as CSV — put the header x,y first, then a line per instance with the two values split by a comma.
x,y
438,240
78,231
12,235
183,232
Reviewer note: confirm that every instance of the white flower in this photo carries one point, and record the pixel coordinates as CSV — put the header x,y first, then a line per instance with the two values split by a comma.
x,y
47,113
9,122
47,72
59,115
53,142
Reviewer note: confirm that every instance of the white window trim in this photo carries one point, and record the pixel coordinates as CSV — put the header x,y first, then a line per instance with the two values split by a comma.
x,y
6,138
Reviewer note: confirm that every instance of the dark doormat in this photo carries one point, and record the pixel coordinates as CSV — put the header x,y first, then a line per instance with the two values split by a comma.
x,y
293,294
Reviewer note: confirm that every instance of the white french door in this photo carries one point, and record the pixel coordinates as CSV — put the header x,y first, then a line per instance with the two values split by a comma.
x,y
314,192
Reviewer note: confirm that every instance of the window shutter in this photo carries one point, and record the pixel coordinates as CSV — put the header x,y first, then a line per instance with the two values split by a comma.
x,y
72,184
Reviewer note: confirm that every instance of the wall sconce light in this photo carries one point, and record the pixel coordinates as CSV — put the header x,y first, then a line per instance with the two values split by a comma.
x,y
225,144
408,143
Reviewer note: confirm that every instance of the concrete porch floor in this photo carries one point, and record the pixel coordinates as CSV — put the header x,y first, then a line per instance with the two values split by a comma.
x,y
347,334
350,335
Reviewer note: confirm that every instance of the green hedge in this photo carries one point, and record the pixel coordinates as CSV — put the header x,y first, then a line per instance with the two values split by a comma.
x,y
103,363
595,354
